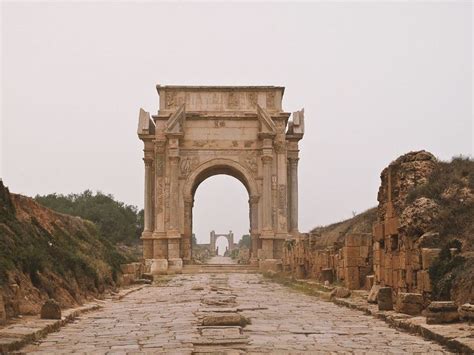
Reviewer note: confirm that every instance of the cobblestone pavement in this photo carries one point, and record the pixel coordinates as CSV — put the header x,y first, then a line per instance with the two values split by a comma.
x,y
168,318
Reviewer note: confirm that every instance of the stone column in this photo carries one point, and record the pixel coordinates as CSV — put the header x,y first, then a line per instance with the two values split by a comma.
x,y
187,237
174,194
148,210
294,194
175,262
267,193
148,216
253,212
267,234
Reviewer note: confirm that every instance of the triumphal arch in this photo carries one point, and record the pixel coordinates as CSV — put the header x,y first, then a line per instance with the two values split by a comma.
x,y
201,131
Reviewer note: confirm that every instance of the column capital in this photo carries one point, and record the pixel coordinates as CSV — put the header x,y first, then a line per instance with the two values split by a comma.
x,y
293,160
174,158
148,161
267,158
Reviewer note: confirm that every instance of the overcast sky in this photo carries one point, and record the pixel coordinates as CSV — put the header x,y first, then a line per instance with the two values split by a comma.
x,y
376,81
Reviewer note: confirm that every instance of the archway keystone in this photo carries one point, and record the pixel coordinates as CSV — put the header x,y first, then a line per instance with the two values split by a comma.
x,y
201,131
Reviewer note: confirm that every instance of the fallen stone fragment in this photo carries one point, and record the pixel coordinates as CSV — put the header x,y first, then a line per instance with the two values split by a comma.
x,y
225,319
467,311
442,312
340,292
50,310
374,291
197,288
409,303
384,299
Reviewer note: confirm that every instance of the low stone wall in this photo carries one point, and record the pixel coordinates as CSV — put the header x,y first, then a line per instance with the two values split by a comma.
x,y
349,264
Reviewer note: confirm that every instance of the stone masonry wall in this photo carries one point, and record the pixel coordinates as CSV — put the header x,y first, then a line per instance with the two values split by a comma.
x,y
400,260
349,264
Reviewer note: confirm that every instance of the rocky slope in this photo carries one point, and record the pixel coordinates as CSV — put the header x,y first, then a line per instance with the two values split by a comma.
x,y
45,254
334,234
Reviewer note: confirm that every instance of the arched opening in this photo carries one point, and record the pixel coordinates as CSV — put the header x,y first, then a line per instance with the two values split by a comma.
x,y
220,206
222,245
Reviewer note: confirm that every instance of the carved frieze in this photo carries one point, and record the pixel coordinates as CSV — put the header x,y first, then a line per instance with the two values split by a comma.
x,y
188,164
159,161
159,195
170,99
250,162
282,198
252,97
233,100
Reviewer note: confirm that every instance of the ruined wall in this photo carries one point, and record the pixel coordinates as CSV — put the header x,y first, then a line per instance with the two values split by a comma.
x,y
400,259
349,264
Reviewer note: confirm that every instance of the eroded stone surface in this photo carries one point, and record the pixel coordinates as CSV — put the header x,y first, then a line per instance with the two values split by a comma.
x,y
168,319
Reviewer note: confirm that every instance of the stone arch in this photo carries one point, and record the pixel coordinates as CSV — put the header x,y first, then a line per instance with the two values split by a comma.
x,y
219,166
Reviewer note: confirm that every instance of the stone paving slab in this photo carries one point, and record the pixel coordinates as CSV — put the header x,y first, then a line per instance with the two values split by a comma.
x,y
169,320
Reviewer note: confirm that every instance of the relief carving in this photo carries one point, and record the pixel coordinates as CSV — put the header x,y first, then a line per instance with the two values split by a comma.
x,y
159,165
159,195
188,164
233,100
250,162
271,100
282,199
252,97
170,99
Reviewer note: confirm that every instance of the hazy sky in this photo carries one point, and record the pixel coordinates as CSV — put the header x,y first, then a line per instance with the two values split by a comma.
x,y
376,80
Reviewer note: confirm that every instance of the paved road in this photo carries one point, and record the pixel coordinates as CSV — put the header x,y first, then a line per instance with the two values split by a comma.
x,y
167,319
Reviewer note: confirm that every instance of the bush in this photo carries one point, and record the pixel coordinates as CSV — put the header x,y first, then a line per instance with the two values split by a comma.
x,y
444,270
116,221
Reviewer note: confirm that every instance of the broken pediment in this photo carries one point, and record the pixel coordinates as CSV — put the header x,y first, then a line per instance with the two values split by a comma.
x,y
176,121
296,125
266,122
145,123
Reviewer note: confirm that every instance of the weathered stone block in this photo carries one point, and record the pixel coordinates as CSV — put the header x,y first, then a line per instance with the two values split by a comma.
x,y
384,299
158,266
369,282
364,251
427,257
442,312
270,265
3,313
352,278
373,294
409,303
50,310
467,311
378,231
225,319
391,226
175,266
340,292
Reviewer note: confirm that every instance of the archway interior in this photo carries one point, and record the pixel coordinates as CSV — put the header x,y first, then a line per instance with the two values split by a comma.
x,y
222,243
220,204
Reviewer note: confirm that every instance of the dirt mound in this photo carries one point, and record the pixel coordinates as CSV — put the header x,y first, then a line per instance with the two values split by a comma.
x,y
45,254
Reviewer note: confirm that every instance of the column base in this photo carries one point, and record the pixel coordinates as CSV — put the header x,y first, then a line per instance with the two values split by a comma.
x,y
175,266
156,266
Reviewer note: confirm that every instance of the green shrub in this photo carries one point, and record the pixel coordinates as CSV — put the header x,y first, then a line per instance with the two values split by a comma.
x,y
444,270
